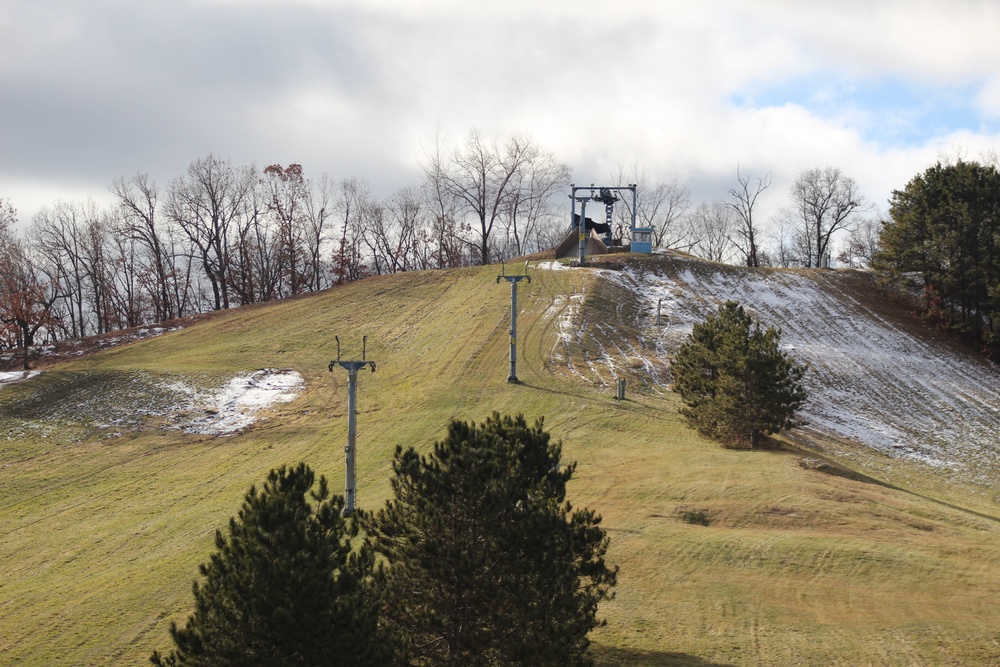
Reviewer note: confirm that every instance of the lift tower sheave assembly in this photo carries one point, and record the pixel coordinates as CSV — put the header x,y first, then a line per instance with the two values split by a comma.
x,y
604,194
513,280
352,368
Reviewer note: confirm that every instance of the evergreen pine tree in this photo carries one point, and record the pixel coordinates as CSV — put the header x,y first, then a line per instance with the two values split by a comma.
x,y
283,588
488,562
945,227
736,384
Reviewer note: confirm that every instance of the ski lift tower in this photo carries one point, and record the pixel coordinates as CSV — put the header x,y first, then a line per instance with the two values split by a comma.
x,y
604,194
352,368
513,280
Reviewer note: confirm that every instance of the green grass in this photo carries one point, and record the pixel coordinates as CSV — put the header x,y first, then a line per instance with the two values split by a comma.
x,y
103,525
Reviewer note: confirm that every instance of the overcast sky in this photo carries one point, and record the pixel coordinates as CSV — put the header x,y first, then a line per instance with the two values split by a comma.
x,y
90,91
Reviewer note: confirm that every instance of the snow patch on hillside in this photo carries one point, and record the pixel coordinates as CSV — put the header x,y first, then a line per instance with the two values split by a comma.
x,y
237,405
10,377
566,309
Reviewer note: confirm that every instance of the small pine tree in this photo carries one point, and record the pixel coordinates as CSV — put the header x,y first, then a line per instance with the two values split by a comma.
x,y
488,563
284,587
736,384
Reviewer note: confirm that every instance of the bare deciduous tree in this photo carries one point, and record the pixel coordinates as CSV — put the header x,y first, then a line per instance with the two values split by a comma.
x,y
204,204
54,239
26,294
742,201
710,229
8,218
399,243
862,243
318,211
137,202
252,276
825,202
660,207
783,243
485,178
446,247
353,198
287,202
530,204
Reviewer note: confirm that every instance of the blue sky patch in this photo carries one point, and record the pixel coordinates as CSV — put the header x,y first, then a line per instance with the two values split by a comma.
x,y
889,112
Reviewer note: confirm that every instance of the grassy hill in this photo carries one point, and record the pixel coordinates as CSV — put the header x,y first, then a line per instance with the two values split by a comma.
x,y
870,557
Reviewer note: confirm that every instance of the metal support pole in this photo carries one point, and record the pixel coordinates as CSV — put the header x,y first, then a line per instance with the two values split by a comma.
x,y
608,209
513,280
572,203
635,203
352,440
583,232
512,376
352,367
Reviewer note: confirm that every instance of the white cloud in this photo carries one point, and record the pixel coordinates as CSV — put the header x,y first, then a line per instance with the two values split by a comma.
x,y
917,39
352,88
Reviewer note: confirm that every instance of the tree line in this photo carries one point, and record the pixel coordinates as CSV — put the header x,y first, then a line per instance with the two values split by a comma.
x,y
223,235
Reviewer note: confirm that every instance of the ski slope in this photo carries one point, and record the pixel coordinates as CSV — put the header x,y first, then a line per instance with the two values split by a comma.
x,y
872,379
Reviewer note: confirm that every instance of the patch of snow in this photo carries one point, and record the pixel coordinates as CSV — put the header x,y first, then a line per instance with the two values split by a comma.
x,y
66,349
566,309
235,406
570,307
559,266
10,377
553,266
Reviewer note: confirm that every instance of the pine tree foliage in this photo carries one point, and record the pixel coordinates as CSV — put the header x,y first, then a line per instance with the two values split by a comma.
x,y
736,383
945,226
488,562
283,587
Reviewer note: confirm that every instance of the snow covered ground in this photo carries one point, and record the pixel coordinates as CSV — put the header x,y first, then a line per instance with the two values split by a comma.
x,y
870,380
116,401
10,377
237,405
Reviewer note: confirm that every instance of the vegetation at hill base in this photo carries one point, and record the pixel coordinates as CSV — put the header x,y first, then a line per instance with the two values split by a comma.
x,y
736,383
485,563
